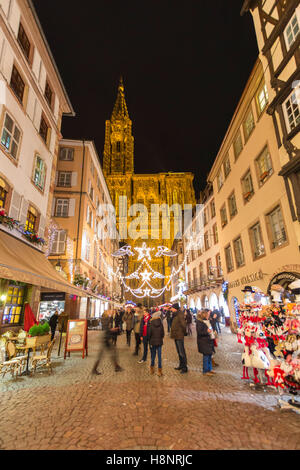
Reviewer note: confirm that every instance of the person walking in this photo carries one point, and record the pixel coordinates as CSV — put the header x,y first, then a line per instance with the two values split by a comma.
x,y
205,341
128,318
107,344
138,315
213,318
53,323
178,332
168,316
116,326
189,321
217,315
144,334
156,335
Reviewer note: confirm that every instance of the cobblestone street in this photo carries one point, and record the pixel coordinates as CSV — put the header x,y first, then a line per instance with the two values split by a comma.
x,y
71,409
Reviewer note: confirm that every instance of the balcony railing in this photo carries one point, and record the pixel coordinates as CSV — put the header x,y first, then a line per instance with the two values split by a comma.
x,y
204,282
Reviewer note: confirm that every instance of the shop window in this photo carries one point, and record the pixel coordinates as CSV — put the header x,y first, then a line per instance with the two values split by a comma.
x,y
31,220
39,173
237,145
262,98
58,246
17,84
11,135
248,124
66,154
13,307
24,41
64,178
232,205
62,208
264,166
277,228
247,186
229,259
239,252
292,29
291,108
223,214
257,241
226,166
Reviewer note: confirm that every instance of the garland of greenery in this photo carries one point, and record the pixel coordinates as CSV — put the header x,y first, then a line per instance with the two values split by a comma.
x,y
12,223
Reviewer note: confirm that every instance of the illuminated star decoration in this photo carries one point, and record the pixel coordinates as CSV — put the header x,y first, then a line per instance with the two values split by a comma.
x,y
146,275
143,251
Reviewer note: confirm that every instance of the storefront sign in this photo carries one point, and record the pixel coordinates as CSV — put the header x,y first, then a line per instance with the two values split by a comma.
x,y
50,296
76,337
249,279
284,279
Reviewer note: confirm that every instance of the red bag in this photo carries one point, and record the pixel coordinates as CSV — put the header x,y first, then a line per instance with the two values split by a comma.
x,y
215,343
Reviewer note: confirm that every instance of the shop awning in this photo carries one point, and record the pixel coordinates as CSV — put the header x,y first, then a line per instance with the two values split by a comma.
x,y
20,262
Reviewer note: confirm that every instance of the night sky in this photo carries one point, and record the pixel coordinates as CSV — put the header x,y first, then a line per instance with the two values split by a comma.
x,y
184,66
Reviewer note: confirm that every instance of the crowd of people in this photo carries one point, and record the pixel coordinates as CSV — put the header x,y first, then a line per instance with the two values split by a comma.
x,y
148,330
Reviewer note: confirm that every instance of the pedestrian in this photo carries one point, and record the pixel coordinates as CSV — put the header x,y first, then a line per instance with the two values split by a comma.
x,y
107,343
168,315
205,341
156,335
121,315
128,318
53,323
213,318
138,315
222,315
178,332
217,317
116,325
189,321
144,334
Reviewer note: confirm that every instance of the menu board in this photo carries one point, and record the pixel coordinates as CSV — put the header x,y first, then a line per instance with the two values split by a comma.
x,y
76,339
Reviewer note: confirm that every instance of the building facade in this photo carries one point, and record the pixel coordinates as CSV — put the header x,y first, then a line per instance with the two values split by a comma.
x,y
277,27
81,246
32,102
258,242
204,273
143,189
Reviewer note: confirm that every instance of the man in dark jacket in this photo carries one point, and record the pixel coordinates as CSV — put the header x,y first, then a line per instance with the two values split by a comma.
x,y
144,334
138,315
128,318
178,332
205,341
156,335
53,323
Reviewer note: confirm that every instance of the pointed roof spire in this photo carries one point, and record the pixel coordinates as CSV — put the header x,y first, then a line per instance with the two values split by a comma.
x,y
120,108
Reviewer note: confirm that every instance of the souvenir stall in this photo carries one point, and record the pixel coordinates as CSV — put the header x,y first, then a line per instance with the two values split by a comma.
x,y
271,338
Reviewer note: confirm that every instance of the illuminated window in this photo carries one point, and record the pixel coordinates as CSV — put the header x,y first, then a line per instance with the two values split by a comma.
x,y
10,136
229,259
277,228
248,124
237,145
247,186
264,166
13,307
223,214
239,252
262,98
292,29
291,109
257,241
226,167
30,224
39,173
232,205
3,193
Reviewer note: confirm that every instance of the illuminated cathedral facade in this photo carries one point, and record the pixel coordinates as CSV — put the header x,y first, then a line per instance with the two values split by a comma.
x,y
146,189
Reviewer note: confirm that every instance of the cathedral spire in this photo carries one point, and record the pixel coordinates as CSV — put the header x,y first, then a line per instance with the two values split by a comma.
x,y
120,108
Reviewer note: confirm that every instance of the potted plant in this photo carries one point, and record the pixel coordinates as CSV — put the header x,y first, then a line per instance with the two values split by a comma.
x,y
38,335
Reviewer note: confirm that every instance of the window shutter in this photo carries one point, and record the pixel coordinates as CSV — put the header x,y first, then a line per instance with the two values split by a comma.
x,y
62,236
72,207
74,178
14,211
53,207
42,225
24,212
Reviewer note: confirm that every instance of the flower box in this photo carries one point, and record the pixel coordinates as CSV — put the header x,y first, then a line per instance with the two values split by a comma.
x,y
264,175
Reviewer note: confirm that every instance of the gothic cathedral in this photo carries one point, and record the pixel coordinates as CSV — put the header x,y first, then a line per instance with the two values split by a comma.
x,y
147,189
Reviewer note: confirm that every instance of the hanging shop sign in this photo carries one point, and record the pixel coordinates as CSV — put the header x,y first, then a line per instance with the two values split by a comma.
x,y
50,296
76,337
257,276
283,279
